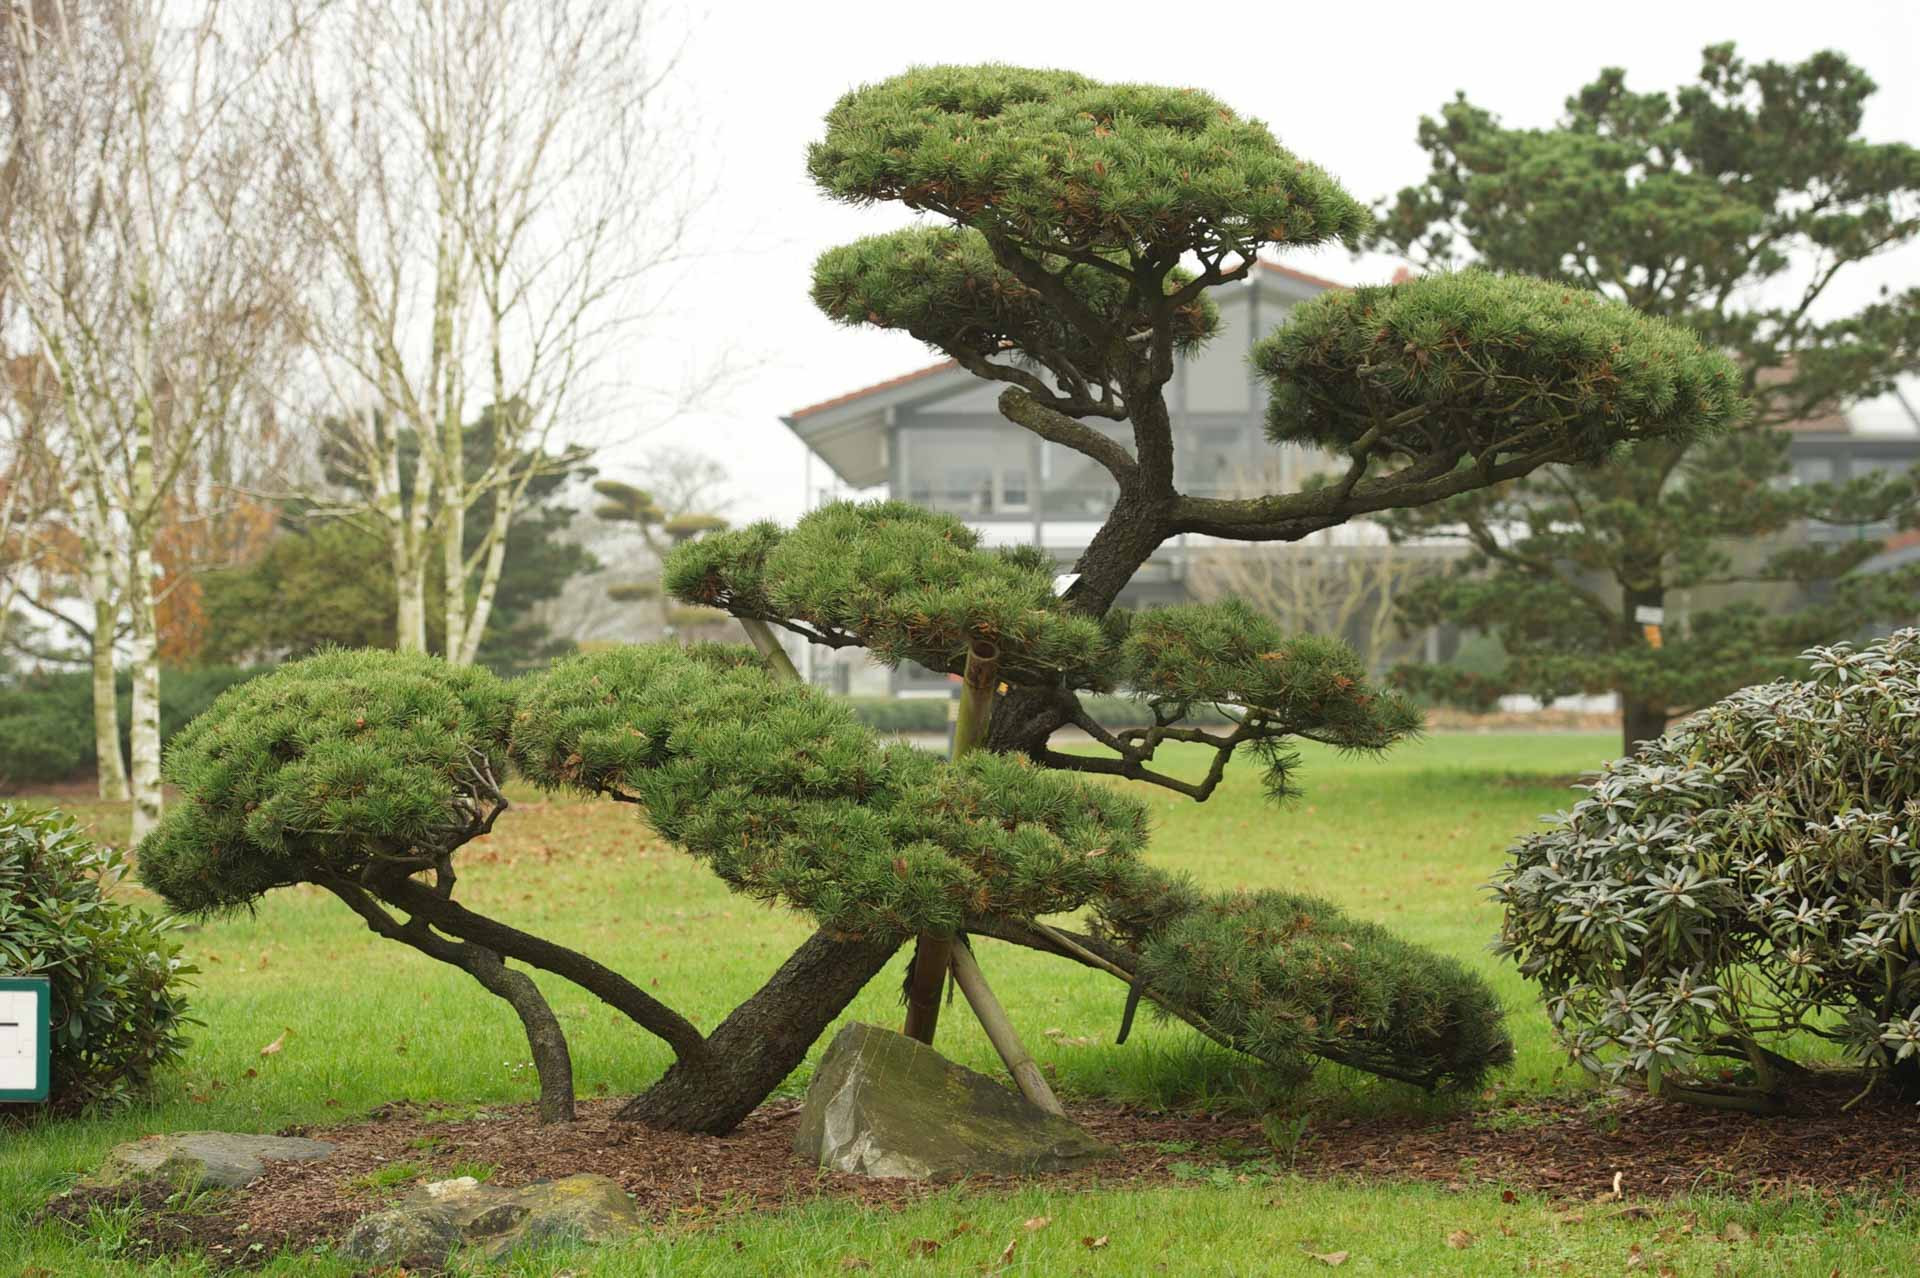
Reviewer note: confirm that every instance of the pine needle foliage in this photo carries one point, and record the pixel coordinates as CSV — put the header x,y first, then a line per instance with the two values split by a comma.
x,y
1735,206
901,581
1288,978
908,584
944,286
1491,363
1740,888
787,798
1275,687
1051,158
325,767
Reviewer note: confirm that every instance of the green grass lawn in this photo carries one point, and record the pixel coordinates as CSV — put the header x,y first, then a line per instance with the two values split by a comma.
x,y
1408,840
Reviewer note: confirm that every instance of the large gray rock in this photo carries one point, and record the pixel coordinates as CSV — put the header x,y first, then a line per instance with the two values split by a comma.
x,y
223,1160
882,1104
423,1228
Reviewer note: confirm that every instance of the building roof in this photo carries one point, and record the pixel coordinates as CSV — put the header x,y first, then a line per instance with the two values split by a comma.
x,y
892,382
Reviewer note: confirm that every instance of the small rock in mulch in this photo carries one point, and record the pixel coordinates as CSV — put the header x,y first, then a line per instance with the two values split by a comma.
x,y
212,1160
882,1104
423,1228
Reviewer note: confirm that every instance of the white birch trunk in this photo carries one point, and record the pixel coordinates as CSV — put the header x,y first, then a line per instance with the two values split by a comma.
x,y
144,658
108,763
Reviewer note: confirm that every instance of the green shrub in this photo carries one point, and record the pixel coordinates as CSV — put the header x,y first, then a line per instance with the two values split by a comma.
x,y
1739,888
320,768
1287,978
933,714
779,792
118,999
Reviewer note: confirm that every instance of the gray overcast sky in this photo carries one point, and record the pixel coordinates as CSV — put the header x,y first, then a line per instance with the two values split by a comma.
x,y
1342,85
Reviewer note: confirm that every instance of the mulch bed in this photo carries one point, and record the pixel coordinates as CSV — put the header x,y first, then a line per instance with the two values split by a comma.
x,y
1568,1150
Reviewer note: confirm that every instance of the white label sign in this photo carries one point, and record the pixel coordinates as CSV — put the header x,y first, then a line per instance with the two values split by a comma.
x,y
19,1040
1650,615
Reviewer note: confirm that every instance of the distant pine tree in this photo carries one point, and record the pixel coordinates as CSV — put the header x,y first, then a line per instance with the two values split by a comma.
x,y
1753,182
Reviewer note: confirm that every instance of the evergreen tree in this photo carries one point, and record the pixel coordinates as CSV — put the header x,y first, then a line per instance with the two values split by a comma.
x,y
1072,205
667,512
1753,182
1069,207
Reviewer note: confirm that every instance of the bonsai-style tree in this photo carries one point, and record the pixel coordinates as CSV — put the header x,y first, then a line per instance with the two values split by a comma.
x,y
1071,207
668,511
1730,207
1078,229
365,773
358,772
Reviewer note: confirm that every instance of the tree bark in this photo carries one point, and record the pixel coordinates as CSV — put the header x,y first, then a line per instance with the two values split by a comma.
x,y
144,660
545,1039
611,988
108,761
410,588
1640,720
763,1040
1025,718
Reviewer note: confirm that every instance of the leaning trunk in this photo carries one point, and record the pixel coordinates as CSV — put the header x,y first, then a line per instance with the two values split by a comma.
x,y
1026,717
763,1040
144,660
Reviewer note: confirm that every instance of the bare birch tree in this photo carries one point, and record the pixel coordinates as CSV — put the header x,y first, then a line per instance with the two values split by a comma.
x,y
488,181
139,252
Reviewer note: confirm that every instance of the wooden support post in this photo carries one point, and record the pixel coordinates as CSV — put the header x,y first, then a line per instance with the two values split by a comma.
x,y
932,954
993,1018
769,645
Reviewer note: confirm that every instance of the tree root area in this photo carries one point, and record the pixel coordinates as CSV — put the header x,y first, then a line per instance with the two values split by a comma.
x,y
1570,1151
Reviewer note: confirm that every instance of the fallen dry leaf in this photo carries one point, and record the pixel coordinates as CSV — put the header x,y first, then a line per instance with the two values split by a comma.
x,y
1037,1222
923,1247
1329,1257
1094,1244
274,1048
1508,1196
1459,1240
1006,1253
1735,1232
855,1262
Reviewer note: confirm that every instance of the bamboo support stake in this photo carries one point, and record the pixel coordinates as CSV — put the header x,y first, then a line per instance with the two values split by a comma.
x,y
769,645
1000,1031
932,955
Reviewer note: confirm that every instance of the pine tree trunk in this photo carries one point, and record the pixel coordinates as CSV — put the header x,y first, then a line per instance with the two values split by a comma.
x,y
144,661
1026,717
1641,720
108,762
763,1040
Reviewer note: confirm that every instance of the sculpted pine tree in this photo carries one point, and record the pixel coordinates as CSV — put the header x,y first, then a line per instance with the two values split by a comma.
x,y
1083,227
1072,204
1752,183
